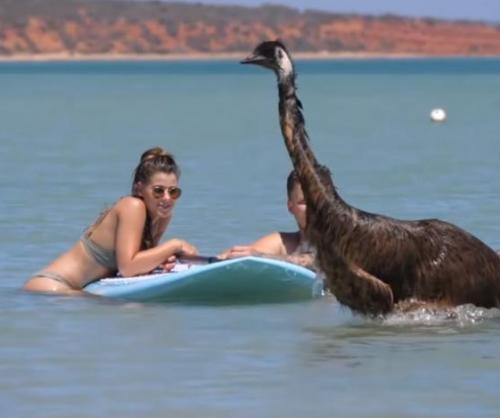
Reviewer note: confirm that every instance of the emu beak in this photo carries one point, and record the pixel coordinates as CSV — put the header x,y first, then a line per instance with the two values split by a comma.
x,y
253,59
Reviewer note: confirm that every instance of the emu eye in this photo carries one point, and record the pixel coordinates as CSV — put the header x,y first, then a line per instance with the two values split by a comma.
x,y
280,53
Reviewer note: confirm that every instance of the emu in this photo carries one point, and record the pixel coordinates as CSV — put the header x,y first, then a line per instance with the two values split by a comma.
x,y
374,263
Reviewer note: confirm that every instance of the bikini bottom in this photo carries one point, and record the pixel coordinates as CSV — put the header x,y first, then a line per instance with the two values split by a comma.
x,y
54,276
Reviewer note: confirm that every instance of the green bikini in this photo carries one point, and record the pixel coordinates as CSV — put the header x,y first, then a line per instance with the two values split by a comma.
x,y
102,256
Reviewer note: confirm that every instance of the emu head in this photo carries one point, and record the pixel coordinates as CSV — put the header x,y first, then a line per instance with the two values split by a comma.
x,y
272,55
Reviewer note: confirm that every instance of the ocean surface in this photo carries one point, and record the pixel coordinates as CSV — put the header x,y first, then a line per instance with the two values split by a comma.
x,y
70,136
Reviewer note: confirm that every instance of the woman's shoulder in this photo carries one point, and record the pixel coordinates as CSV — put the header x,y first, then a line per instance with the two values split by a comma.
x,y
130,203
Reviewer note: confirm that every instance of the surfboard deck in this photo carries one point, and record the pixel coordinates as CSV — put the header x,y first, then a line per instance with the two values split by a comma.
x,y
242,280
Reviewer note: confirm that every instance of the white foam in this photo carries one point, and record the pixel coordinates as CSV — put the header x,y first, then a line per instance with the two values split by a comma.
x,y
463,315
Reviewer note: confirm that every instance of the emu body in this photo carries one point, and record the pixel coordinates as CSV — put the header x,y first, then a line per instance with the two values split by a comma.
x,y
373,262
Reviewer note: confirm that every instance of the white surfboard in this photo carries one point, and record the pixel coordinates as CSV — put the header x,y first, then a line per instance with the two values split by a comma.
x,y
242,280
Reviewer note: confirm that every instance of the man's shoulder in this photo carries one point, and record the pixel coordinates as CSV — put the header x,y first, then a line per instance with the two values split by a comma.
x,y
273,244
290,240
289,235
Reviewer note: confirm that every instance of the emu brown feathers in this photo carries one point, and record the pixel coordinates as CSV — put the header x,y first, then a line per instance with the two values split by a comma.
x,y
373,262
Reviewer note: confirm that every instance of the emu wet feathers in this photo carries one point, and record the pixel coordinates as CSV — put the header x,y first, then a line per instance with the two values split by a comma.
x,y
374,263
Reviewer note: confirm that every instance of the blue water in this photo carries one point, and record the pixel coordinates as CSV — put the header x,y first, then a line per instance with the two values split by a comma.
x,y
70,135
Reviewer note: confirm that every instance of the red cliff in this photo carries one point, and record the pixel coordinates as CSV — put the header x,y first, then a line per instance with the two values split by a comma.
x,y
126,27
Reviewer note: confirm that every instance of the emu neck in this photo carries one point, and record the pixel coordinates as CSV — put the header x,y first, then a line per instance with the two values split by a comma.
x,y
297,141
290,109
286,85
323,202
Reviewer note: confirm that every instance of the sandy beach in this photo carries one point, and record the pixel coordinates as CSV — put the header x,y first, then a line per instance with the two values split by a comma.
x,y
192,56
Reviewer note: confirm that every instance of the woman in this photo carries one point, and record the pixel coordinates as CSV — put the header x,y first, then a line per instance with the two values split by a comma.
x,y
125,237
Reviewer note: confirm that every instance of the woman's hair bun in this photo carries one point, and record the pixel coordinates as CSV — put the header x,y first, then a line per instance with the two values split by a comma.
x,y
152,161
154,153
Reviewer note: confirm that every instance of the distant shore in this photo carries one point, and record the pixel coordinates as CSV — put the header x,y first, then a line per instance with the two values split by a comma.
x,y
195,56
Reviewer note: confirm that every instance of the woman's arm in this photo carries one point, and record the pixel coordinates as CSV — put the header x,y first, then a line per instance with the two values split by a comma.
x,y
131,217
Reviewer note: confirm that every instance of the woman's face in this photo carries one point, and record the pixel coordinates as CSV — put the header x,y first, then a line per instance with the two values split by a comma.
x,y
160,194
297,206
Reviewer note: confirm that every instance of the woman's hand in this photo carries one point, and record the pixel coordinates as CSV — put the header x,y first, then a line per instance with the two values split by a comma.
x,y
186,248
169,264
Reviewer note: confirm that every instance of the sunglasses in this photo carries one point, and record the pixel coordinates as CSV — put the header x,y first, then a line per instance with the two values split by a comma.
x,y
173,191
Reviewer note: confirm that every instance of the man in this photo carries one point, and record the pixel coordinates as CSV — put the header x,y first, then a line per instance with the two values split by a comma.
x,y
287,246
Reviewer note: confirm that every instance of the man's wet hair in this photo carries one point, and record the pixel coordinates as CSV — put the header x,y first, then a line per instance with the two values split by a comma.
x,y
293,179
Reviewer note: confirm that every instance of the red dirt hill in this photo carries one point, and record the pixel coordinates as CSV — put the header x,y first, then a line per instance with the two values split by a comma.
x,y
127,27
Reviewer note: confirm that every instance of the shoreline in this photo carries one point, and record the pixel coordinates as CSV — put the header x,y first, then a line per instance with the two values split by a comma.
x,y
68,57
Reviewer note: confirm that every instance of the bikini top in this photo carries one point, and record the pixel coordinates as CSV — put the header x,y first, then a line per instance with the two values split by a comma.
x,y
103,256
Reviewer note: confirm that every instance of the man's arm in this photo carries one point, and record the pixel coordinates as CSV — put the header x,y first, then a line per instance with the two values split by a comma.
x,y
306,260
271,246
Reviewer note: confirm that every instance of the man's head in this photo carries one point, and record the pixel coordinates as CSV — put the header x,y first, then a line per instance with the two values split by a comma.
x,y
296,201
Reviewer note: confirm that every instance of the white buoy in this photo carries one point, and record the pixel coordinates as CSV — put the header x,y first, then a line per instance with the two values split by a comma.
x,y
438,115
